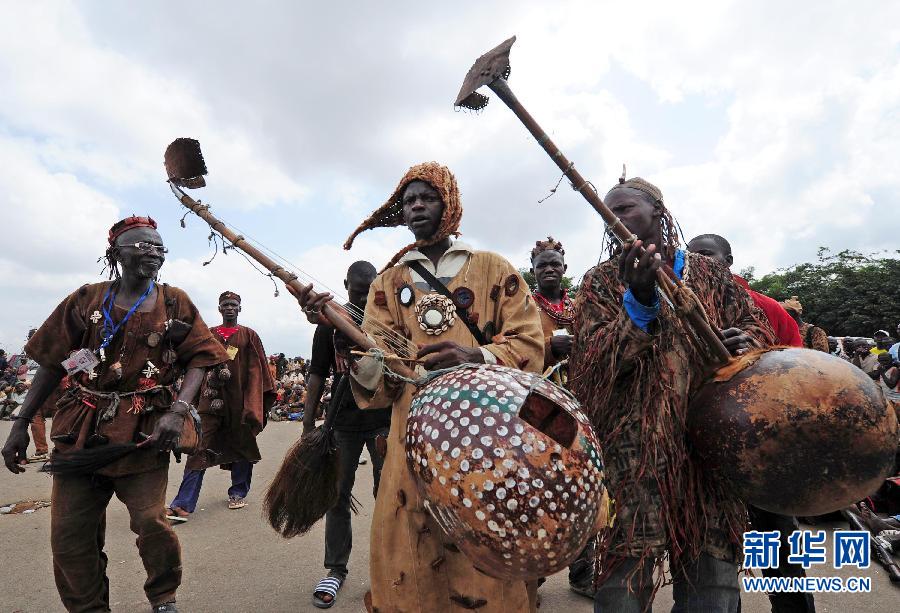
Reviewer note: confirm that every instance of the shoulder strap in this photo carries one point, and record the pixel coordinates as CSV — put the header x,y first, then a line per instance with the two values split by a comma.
x,y
439,287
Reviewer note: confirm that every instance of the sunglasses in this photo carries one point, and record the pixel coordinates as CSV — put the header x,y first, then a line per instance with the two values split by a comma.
x,y
145,247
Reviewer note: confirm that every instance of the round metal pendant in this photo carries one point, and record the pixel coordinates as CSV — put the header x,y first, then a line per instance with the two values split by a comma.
x,y
169,356
463,297
406,295
153,339
435,313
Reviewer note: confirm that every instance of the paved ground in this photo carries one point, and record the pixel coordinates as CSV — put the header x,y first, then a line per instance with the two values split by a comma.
x,y
234,562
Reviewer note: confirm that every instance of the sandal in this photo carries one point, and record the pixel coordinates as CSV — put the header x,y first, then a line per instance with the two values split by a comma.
x,y
327,586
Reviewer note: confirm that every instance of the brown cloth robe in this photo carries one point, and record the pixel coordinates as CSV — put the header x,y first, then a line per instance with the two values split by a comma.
x,y
78,503
413,568
248,394
70,328
814,337
635,386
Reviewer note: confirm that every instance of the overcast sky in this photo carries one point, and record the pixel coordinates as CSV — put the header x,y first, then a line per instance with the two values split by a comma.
x,y
774,124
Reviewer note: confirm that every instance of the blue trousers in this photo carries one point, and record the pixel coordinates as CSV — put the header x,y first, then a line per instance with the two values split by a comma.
x,y
189,492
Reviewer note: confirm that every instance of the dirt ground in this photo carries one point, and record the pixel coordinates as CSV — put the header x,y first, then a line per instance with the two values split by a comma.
x,y
233,561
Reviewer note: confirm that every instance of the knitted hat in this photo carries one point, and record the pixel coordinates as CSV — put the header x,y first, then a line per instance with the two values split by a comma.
x,y
390,214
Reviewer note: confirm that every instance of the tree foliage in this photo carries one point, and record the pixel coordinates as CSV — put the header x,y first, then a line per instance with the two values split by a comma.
x,y
845,293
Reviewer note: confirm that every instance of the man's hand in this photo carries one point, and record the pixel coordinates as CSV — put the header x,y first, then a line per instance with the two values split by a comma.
x,y
561,345
16,448
638,272
735,341
167,432
447,354
311,302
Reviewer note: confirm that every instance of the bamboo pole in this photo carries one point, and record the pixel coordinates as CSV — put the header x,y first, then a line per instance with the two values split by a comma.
x,y
335,316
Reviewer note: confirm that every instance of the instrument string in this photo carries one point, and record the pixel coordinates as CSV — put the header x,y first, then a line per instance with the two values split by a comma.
x,y
395,341
398,343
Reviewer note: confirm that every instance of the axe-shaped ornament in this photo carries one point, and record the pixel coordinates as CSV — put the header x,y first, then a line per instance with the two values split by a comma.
x,y
493,69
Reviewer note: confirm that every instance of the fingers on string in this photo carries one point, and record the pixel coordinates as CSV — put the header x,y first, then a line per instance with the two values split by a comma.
x,y
435,347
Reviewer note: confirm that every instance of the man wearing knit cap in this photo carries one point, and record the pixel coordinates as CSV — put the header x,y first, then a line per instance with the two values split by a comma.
x,y
124,343
813,337
413,566
634,367
234,402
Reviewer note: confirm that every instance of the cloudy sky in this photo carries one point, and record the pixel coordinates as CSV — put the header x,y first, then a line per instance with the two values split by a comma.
x,y
775,124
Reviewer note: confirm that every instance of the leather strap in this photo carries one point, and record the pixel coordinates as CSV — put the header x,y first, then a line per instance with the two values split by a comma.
x,y
440,288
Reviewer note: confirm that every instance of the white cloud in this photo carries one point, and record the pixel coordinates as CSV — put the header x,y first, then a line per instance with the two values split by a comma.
x,y
309,114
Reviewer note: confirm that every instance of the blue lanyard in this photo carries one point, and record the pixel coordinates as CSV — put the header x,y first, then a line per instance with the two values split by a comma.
x,y
110,329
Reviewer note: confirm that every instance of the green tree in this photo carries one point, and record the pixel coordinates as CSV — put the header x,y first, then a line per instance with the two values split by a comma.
x,y
566,282
845,293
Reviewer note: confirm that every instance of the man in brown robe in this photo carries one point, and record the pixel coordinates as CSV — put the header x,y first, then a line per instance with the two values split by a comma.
x,y
813,337
143,337
548,265
413,566
634,368
234,402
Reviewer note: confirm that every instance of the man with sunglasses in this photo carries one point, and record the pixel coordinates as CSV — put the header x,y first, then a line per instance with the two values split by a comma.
x,y
123,343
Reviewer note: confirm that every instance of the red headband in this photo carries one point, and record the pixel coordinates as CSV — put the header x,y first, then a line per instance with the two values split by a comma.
x,y
129,223
227,295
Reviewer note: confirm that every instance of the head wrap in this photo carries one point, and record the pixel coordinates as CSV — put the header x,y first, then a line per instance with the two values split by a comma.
x,y
670,229
641,185
792,304
551,244
390,214
229,294
129,223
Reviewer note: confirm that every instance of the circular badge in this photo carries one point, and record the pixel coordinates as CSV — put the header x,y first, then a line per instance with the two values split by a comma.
x,y
406,295
153,339
169,356
463,297
435,313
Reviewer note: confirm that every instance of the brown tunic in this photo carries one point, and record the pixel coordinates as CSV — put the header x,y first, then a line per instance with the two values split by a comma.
x,y
144,338
412,566
636,385
248,394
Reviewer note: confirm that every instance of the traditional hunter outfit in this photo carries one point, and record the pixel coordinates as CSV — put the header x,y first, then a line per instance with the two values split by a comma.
x,y
413,566
232,411
634,369
554,317
122,396
813,337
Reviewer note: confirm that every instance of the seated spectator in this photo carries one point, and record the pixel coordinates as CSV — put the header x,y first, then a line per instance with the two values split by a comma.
x,y
13,400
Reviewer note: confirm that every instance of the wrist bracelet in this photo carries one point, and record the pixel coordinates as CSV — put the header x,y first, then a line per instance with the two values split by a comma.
x,y
189,406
